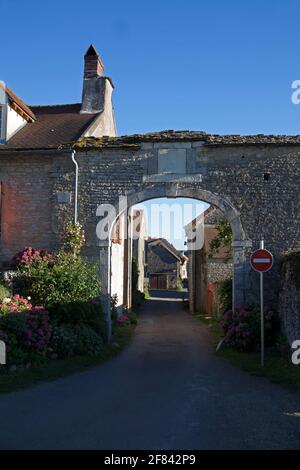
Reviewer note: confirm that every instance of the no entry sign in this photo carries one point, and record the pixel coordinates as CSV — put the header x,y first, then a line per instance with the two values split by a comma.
x,y
261,260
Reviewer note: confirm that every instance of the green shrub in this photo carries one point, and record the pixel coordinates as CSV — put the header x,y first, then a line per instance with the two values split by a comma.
x,y
225,294
14,325
69,279
88,342
25,330
4,291
63,341
133,319
88,313
71,340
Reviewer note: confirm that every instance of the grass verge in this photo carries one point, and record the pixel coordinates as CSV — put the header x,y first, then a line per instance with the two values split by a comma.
x,y
54,369
278,369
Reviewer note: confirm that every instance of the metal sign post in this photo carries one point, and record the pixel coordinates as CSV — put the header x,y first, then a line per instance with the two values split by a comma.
x,y
262,260
262,319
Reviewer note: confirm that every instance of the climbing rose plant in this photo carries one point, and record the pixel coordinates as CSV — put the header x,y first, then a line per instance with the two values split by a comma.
x,y
74,238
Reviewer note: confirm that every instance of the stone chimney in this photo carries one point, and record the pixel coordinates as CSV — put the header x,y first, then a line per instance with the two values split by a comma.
x,y
97,95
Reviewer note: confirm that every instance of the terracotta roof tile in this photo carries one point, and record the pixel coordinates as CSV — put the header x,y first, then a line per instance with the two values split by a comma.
x,y
54,126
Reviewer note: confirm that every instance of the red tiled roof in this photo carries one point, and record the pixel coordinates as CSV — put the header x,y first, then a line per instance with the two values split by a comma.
x,y
54,126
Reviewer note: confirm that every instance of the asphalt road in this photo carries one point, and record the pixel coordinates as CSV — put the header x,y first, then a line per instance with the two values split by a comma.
x,y
166,390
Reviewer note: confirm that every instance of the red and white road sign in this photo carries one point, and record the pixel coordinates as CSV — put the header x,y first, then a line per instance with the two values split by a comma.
x,y
261,260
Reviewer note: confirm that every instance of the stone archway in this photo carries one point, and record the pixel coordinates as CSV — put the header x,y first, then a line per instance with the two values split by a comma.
x,y
176,190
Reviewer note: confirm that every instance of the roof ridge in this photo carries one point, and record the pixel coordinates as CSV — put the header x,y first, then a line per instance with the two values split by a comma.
x,y
52,105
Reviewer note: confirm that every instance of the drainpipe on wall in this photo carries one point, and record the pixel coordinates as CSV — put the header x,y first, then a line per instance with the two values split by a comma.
x,y
76,186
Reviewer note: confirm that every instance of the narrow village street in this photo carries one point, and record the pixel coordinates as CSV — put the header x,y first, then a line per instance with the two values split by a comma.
x,y
166,390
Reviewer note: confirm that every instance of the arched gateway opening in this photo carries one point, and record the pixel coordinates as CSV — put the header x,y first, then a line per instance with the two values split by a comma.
x,y
172,190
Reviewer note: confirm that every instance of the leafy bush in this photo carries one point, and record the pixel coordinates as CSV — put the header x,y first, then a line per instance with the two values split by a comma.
x,y
13,325
25,329
225,294
63,341
88,313
132,318
81,340
88,342
69,286
4,291
242,328
69,279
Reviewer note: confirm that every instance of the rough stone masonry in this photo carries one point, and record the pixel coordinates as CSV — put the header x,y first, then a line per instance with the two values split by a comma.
x,y
253,180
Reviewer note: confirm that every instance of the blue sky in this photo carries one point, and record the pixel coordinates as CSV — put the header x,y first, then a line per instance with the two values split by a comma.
x,y
218,66
167,217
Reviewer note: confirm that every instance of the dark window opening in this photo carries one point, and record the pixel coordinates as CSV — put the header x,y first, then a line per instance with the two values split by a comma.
x,y
266,176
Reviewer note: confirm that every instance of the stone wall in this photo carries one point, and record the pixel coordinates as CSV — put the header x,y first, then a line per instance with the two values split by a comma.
x,y
28,201
289,298
218,271
255,185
